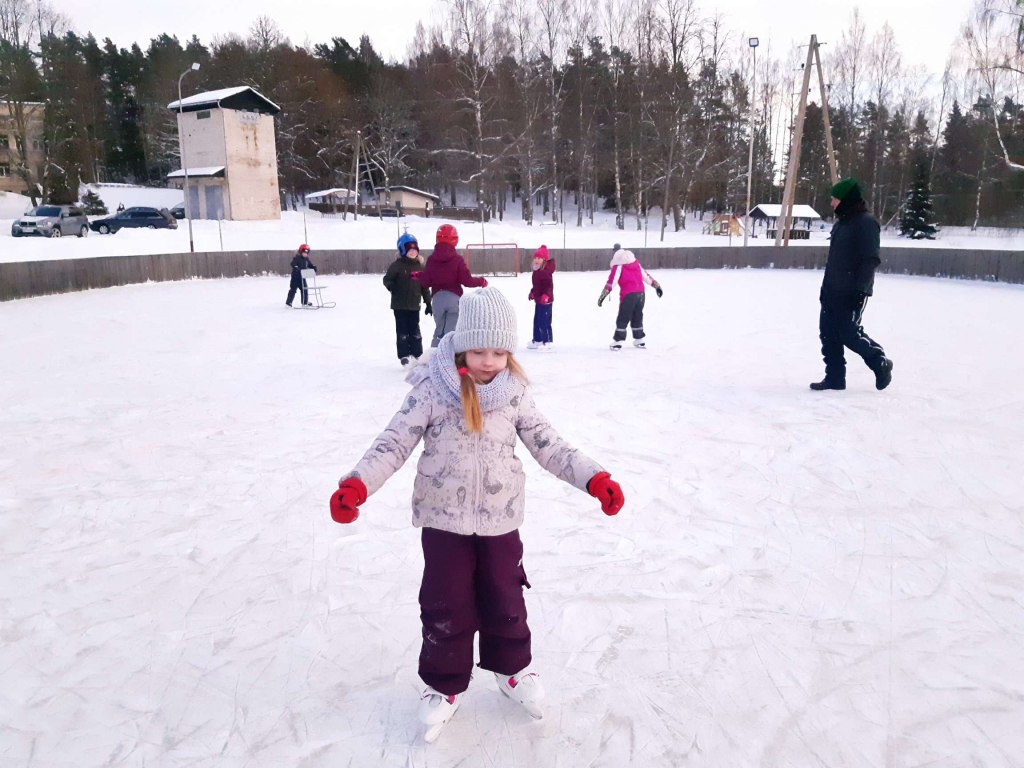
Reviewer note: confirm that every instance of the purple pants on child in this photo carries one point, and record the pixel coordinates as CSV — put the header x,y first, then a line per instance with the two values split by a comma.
x,y
471,584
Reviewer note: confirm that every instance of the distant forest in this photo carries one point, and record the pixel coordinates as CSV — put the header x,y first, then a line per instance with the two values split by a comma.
x,y
575,105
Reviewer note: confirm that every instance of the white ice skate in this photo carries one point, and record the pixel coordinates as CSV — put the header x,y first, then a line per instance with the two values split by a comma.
x,y
615,346
547,346
639,344
535,345
436,710
524,689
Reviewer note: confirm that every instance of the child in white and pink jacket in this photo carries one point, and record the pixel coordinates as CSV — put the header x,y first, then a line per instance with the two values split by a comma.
x,y
631,278
470,404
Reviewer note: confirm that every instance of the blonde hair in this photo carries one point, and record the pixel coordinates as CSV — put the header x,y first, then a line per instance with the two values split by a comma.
x,y
470,398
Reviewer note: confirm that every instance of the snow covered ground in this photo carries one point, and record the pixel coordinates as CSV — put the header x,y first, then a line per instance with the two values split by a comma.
x,y
797,579
368,232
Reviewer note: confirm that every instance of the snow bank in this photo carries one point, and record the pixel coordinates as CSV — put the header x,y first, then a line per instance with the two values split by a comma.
x,y
12,205
797,579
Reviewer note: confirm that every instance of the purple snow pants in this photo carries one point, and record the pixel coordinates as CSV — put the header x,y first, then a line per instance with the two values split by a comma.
x,y
470,584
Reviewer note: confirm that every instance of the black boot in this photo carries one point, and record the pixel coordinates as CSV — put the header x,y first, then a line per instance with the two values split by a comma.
x,y
883,373
828,383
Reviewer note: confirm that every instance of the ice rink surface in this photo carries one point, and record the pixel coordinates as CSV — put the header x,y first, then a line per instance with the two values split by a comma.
x,y
797,579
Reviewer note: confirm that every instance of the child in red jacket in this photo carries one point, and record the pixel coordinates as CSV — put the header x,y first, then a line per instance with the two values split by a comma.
x,y
544,294
445,275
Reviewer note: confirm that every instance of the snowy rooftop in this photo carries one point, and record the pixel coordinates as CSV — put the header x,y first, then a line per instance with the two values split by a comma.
x,y
214,98
338,192
403,188
774,210
209,170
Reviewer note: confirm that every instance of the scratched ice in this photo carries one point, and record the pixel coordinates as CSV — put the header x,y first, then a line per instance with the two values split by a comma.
x,y
797,579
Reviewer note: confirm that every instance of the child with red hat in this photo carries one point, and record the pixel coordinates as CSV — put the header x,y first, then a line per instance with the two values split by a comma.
x,y
544,294
445,275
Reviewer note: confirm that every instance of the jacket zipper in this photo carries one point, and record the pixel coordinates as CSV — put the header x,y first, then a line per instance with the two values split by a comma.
x,y
476,484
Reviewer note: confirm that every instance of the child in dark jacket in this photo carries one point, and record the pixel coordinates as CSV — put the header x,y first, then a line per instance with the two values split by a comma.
x,y
299,262
405,298
445,275
544,294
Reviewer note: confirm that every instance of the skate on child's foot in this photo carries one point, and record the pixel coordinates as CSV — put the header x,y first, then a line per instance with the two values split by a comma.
x,y
436,709
525,689
615,346
639,343
535,345
547,346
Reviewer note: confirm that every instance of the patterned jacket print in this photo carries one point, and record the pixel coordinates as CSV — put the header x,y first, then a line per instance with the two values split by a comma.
x,y
469,483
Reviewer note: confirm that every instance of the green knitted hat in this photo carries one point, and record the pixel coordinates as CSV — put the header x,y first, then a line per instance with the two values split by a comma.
x,y
844,187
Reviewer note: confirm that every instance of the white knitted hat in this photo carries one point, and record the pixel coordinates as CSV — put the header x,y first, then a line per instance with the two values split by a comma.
x,y
486,321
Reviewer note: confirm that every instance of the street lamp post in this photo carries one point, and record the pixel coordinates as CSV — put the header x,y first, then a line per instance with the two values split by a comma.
x,y
184,161
752,42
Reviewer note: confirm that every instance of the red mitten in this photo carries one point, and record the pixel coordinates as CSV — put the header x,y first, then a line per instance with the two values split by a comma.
x,y
346,500
416,275
484,283
545,299
607,491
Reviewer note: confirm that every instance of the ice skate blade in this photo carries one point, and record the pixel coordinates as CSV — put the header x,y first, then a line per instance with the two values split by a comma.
x,y
433,731
533,710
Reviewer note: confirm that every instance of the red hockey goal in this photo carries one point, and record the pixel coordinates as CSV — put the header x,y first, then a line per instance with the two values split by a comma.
x,y
493,259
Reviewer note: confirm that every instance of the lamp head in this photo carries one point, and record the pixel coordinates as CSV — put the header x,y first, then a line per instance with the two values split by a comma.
x,y
195,66
753,42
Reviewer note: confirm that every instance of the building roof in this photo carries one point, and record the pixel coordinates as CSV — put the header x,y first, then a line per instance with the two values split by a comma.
x,y
240,97
774,210
339,191
207,172
402,188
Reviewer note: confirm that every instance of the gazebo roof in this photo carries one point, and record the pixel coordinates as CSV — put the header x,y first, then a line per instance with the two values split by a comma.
x,y
774,210
240,97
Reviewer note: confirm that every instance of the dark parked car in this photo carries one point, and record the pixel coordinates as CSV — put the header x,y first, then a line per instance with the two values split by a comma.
x,y
135,218
178,211
52,221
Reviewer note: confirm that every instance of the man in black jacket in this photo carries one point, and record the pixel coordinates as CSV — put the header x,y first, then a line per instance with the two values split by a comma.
x,y
849,281
405,298
299,262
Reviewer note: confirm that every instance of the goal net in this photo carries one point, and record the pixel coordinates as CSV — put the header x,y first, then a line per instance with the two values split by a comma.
x,y
493,259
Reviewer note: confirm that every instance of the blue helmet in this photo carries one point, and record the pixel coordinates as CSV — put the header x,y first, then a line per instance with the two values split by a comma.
x,y
405,241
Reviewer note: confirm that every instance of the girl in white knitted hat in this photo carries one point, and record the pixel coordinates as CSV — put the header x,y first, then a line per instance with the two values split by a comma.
x,y
469,403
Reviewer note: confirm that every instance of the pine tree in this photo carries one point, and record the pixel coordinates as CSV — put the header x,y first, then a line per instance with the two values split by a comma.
x,y
93,204
916,222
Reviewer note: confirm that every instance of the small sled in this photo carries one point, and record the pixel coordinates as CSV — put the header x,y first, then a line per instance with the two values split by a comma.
x,y
314,291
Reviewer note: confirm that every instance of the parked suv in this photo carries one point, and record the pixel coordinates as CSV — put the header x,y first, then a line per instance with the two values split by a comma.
x,y
52,221
135,218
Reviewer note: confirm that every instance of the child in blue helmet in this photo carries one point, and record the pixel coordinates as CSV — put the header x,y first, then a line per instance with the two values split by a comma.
x,y
405,298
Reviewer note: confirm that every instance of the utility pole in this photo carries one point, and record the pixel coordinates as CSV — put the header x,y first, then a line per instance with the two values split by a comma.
x,y
824,113
184,159
785,214
750,157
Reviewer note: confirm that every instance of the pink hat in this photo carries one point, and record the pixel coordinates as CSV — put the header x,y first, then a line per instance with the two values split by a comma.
x,y
541,253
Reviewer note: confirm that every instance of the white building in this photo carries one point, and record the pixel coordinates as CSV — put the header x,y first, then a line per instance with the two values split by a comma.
x,y
227,140
408,199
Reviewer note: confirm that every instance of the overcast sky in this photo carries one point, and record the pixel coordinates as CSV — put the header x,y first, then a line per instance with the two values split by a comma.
x,y
925,29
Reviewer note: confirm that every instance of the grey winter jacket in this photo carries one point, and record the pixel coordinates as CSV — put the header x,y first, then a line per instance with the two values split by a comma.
x,y
468,483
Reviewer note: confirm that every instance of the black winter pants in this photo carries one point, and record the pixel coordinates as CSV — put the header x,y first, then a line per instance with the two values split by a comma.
x,y
297,284
631,313
839,326
407,328
472,584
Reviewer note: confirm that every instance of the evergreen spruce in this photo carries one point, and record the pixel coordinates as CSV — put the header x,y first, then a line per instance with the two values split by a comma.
x,y
93,204
916,221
